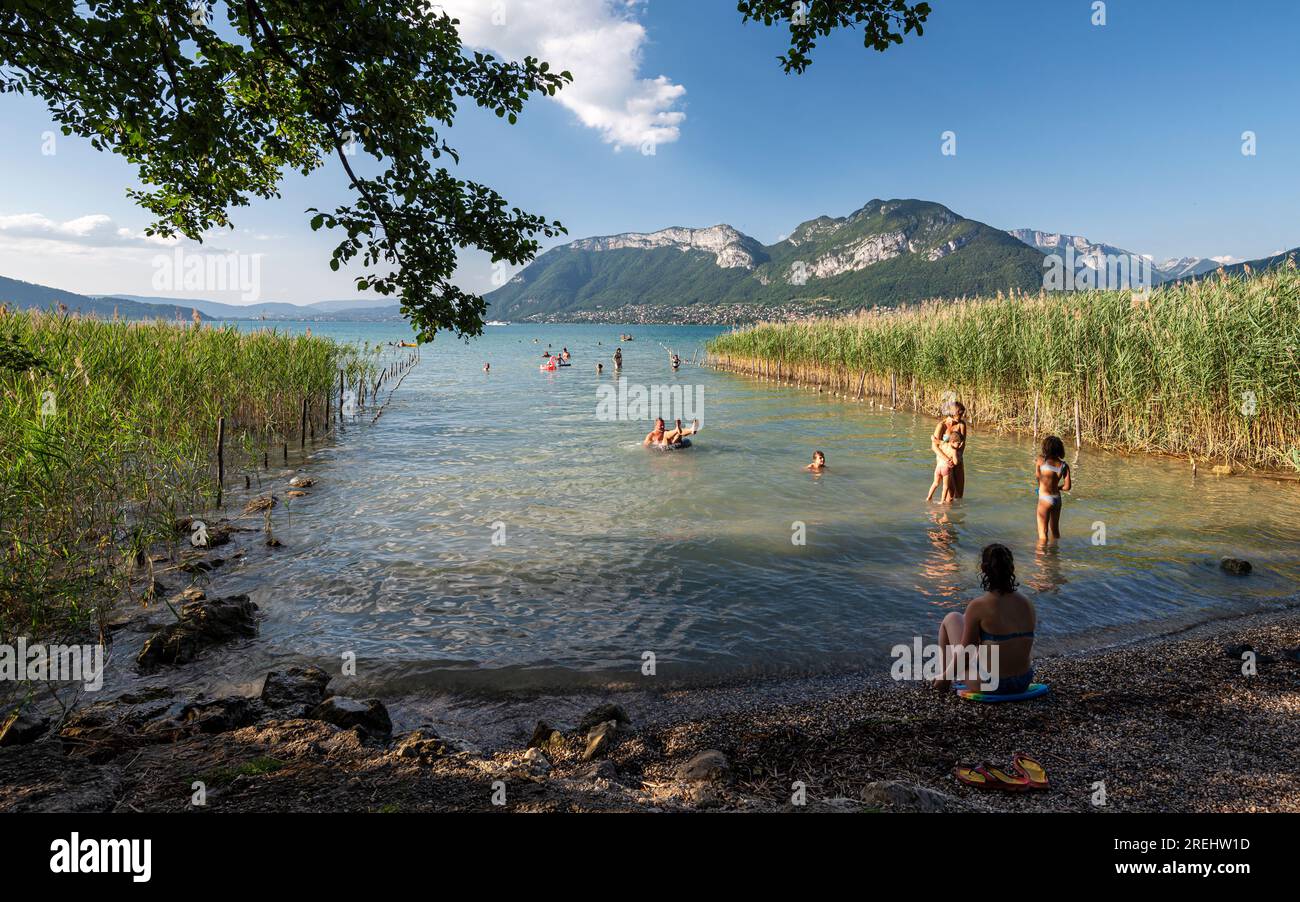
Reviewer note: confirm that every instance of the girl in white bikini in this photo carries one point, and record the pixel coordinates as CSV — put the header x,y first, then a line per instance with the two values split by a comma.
x,y
1053,476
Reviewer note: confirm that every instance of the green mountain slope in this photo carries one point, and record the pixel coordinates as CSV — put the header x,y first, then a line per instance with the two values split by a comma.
x,y
27,295
886,253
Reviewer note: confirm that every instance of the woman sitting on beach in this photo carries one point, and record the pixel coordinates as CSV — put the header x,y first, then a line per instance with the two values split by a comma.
x,y
949,428
661,438
1053,475
1002,617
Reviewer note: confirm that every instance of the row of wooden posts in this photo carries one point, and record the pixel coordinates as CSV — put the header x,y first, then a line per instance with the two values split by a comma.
x,y
307,426
779,372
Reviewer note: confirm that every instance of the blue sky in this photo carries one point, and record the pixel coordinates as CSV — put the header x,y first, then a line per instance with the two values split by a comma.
x,y
1128,133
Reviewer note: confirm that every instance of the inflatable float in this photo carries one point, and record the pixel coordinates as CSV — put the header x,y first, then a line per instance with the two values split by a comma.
x,y
974,695
676,446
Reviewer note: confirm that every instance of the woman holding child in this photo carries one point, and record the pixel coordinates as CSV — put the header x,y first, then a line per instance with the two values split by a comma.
x,y
949,444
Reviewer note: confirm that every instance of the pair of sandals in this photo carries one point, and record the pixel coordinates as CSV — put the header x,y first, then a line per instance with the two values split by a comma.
x,y
1029,775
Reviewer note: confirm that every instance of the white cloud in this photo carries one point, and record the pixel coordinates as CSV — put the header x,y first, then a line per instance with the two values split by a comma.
x,y
95,230
599,42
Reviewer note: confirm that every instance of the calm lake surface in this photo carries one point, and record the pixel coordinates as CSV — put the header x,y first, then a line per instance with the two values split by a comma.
x,y
612,551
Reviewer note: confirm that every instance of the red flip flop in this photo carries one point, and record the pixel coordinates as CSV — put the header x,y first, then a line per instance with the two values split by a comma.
x,y
986,776
1031,770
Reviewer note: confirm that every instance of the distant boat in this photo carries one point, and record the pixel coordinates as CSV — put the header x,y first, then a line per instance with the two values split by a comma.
x,y
496,322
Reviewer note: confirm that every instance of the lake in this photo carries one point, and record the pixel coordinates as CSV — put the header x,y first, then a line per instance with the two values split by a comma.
x,y
497,531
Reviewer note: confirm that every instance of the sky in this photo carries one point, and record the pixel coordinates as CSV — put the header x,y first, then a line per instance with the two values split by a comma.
x,y
1128,132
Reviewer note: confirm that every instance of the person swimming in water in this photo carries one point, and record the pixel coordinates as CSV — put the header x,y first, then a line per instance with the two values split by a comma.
x,y
487,367
564,353
660,437
600,368
1053,476
818,462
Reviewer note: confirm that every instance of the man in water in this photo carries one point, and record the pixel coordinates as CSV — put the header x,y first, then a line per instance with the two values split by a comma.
x,y
661,438
618,358
600,368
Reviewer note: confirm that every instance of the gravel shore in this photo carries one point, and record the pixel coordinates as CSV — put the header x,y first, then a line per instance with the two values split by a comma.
x,y
1168,724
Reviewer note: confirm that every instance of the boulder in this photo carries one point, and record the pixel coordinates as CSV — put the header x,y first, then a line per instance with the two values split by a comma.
x,y
202,624
600,739
369,715
537,762
546,736
894,795
602,713
296,690
1235,565
22,727
301,482
706,766
422,744
220,715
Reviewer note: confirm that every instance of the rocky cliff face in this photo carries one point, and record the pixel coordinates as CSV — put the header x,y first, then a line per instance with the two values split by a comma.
x,y
1098,256
884,253
730,247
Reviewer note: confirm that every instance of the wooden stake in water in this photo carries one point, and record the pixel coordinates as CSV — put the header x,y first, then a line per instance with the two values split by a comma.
x,y
302,443
221,457
1076,424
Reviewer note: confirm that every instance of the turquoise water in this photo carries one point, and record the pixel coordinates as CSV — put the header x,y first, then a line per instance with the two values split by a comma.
x,y
612,551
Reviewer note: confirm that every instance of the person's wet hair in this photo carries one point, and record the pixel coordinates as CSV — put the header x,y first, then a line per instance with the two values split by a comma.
x,y
817,454
1053,447
997,569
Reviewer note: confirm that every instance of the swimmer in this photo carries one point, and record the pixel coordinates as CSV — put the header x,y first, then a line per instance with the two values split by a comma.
x,y
663,438
818,462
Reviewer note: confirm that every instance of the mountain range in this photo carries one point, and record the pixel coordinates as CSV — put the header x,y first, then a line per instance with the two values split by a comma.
x,y
886,253
27,295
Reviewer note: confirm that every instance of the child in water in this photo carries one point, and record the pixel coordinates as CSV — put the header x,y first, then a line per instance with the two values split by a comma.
x,y
1053,476
947,455
818,462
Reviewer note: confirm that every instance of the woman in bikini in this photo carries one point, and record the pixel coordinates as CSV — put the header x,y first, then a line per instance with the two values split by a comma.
x,y
949,427
1053,476
1002,617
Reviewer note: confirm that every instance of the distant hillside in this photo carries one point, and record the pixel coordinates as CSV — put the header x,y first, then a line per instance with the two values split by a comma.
x,y
26,295
1263,263
886,253
347,310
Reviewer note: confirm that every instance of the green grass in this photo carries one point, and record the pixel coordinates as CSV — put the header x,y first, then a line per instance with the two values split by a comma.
x,y
1172,373
108,436
254,767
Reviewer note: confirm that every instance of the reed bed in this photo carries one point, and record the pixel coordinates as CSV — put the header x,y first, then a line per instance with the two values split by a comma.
x,y
108,436
1208,370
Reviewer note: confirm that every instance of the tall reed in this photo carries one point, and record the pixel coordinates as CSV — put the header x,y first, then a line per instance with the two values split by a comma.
x,y
108,436
1207,369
